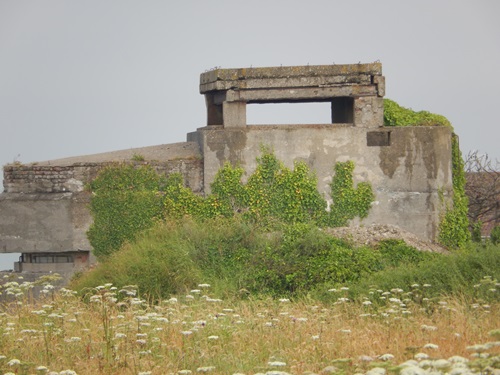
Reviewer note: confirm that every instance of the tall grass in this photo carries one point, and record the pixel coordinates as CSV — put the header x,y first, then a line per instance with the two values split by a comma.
x,y
114,331
237,257
455,274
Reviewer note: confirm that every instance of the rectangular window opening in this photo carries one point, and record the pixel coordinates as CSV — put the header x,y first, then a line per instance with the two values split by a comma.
x,y
299,113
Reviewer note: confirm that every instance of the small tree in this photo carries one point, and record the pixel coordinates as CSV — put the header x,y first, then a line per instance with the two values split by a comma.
x,y
483,189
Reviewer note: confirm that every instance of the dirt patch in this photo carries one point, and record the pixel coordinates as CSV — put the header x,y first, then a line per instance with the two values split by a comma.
x,y
371,235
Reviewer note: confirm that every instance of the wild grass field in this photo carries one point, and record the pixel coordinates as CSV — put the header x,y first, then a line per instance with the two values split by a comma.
x,y
348,329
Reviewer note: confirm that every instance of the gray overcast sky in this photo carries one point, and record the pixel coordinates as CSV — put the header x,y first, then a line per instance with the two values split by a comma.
x,y
82,77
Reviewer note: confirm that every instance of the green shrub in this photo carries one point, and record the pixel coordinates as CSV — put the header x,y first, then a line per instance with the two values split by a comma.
x,y
159,262
476,234
306,257
495,235
396,115
394,253
444,274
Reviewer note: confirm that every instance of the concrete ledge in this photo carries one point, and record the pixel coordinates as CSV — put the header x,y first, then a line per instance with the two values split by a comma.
x,y
287,72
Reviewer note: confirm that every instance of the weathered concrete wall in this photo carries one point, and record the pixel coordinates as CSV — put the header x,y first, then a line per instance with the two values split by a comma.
x,y
406,166
43,222
44,207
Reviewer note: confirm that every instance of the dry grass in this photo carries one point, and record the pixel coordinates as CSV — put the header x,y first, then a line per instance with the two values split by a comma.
x,y
114,332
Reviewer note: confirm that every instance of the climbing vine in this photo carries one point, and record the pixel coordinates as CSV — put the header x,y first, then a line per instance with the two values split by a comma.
x,y
128,199
125,200
454,227
348,202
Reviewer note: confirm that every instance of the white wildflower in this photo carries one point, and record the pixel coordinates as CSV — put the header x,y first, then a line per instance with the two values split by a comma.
x,y
14,362
412,370
441,363
386,357
206,368
431,346
276,364
376,371
458,359
428,328
421,356
365,358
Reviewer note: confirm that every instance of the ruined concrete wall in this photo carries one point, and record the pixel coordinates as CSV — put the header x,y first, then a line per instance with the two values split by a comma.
x,y
44,208
408,167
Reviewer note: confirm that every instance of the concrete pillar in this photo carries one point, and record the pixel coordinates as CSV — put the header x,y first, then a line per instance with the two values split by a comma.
x,y
369,111
234,114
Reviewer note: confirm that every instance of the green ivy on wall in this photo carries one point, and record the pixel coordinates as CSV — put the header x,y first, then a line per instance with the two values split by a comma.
x,y
454,227
128,199
348,202
125,200
396,115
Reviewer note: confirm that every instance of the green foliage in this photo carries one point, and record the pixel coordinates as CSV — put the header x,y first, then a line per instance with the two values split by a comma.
x,y
395,253
454,227
158,262
476,231
455,274
128,199
306,257
278,192
495,235
232,254
138,157
396,115
125,201
229,195
178,200
348,202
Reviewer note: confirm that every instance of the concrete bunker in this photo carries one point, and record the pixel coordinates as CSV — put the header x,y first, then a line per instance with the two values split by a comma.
x,y
349,89
44,209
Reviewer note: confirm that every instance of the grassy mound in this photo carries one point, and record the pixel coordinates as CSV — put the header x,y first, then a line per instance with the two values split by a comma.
x,y
236,257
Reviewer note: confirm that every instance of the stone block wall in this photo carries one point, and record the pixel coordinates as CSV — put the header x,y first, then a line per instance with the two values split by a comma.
x,y
44,208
